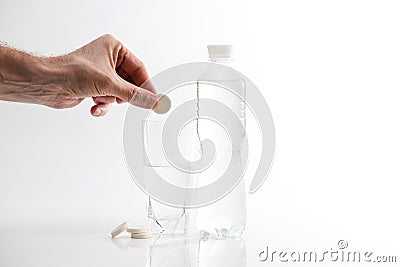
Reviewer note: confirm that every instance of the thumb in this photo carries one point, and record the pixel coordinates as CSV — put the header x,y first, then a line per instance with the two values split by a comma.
x,y
135,95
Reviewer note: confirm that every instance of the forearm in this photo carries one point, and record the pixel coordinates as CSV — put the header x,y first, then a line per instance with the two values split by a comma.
x,y
24,77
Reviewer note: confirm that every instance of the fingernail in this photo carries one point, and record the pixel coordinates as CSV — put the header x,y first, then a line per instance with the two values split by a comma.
x,y
97,112
156,105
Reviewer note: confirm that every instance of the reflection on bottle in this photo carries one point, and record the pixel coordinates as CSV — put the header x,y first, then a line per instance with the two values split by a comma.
x,y
170,251
221,252
181,251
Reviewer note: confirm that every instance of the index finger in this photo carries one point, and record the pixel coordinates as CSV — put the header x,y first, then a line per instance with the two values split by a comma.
x,y
133,70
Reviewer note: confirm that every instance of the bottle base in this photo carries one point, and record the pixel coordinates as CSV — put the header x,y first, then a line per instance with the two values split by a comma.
x,y
221,233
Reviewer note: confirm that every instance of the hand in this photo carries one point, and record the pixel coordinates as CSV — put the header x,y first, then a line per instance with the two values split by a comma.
x,y
103,69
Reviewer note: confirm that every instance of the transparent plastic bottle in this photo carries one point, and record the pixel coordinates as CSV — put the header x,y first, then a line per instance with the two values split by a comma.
x,y
226,217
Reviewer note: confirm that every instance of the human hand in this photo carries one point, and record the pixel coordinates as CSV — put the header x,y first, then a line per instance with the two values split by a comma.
x,y
107,71
104,69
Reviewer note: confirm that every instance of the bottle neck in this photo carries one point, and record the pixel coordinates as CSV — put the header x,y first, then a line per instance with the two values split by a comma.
x,y
225,61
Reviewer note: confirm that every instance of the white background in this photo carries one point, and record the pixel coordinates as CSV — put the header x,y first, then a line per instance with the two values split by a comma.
x,y
329,71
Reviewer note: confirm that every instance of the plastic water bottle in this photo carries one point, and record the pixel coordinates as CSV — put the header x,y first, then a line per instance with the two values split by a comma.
x,y
226,217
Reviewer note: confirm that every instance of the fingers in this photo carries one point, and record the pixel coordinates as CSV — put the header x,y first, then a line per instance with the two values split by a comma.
x,y
123,91
135,95
103,105
104,99
131,69
107,99
100,109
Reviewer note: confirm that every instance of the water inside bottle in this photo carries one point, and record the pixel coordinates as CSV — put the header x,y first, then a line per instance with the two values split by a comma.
x,y
227,216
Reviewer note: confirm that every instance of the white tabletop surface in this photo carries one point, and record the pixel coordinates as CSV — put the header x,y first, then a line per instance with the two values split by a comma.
x,y
81,242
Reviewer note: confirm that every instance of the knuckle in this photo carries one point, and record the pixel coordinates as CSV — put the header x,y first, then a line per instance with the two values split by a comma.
x,y
140,64
134,95
109,40
108,37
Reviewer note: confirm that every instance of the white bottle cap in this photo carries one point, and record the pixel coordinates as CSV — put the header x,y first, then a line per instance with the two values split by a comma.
x,y
220,51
